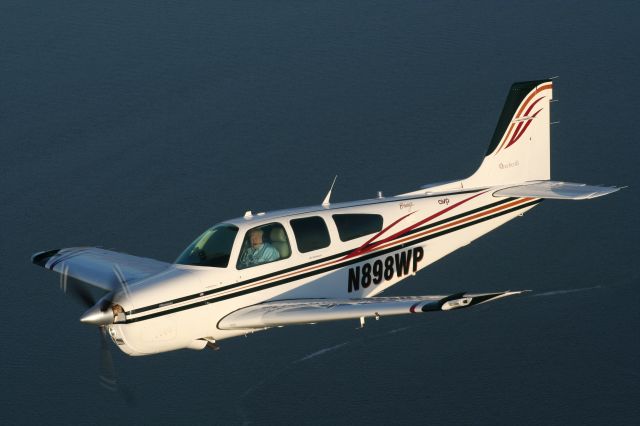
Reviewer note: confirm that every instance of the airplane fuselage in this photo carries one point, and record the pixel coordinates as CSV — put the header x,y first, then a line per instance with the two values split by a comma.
x,y
182,306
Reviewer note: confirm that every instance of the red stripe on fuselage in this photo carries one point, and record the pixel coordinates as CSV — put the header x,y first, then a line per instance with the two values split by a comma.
x,y
362,247
365,248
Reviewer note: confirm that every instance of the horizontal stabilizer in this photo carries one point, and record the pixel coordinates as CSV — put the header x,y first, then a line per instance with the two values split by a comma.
x,y
306,311
556,190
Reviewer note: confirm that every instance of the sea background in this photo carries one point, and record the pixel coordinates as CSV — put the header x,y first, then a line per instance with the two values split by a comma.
x,y
135,125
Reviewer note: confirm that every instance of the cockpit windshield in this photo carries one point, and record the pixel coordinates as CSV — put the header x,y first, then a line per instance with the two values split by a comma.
x,y
213,248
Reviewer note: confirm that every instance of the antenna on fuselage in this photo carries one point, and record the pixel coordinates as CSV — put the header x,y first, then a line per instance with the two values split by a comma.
x,y
326,201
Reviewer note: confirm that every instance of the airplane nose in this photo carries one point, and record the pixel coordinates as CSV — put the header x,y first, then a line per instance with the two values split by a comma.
x,y
97,315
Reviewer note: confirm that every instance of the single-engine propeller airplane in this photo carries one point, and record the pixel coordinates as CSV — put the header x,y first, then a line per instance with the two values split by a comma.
x,y
320,263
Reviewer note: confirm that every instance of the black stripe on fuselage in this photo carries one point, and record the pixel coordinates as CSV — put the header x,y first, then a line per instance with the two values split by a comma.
x,y
317,271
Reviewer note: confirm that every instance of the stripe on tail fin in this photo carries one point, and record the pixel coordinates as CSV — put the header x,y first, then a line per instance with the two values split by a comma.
x,y
520,148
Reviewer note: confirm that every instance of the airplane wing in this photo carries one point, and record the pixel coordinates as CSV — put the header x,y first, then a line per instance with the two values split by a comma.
x,y
98,267
305,311
556,190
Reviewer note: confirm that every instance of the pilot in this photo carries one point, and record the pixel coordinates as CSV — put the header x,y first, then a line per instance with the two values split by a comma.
x,y
259,252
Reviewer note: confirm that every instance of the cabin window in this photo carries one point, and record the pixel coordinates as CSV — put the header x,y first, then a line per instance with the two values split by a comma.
x,y
352,226
311,233
212,248
264,244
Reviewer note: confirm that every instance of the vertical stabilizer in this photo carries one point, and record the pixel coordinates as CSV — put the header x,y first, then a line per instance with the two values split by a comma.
x,y
520,148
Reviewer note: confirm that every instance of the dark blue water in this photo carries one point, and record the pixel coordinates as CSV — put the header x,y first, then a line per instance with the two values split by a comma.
x,y
134,125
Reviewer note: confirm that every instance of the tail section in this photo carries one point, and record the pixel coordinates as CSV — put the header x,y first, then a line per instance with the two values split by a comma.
x,y
520,147
518,158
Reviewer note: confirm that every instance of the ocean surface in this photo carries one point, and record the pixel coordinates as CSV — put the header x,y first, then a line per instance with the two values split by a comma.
x,y
134,125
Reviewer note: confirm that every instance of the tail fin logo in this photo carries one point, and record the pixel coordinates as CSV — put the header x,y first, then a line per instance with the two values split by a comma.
x,y
523,124
522,119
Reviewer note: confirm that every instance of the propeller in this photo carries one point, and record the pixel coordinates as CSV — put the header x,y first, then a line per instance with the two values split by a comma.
x,y
78,292
104,312
101,313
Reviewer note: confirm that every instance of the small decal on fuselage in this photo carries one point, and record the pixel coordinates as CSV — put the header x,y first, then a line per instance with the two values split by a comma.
x,y
407,205
397,264
508,165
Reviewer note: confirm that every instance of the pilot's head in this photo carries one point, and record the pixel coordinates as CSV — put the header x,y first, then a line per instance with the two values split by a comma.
x,y
256,237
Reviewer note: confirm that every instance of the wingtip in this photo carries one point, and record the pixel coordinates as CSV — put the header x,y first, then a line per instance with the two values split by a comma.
x,y
41,258
605,190
495,296
515,292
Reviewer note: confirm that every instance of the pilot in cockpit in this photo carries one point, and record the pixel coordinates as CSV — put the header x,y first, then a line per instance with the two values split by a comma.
x,y
259,252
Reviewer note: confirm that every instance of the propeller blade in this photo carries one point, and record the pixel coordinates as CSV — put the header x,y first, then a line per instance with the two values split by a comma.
x,y
108,377
80,293
121,280
107,370
76,290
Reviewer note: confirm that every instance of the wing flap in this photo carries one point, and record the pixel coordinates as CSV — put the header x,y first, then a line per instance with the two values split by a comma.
x,y
305,311
556,190
98,267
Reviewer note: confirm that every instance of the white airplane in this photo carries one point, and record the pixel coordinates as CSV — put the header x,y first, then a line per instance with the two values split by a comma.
x,y
320,263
